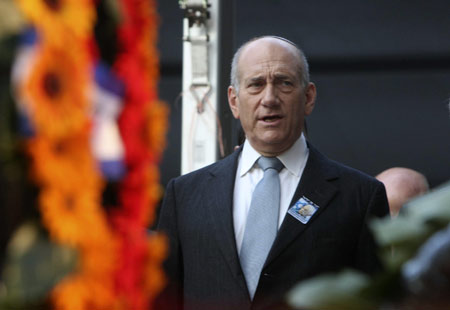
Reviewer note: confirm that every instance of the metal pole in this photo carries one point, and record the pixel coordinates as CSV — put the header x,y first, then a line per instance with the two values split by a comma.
x,y
207,48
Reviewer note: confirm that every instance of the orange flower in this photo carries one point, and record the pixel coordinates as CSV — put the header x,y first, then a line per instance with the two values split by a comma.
x,y
148,55
154,192
82,291
60,21
156,127
70,293
155,279
73,217
56,91
65,163
99,257
149,51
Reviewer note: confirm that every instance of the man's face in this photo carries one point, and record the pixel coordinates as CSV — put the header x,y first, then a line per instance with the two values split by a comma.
x,y
272,101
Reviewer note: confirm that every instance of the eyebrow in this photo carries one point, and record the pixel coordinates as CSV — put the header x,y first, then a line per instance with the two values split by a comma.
x,y
281,76
256,79
277,76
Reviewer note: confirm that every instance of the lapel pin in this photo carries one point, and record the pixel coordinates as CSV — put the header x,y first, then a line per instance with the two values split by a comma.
x,y
303,210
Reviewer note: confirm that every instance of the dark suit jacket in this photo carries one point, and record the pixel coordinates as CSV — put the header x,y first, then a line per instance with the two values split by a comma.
x,y
203,266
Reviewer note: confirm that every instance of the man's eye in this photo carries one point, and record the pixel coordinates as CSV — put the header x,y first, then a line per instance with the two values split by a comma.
x,y
256,84
287,83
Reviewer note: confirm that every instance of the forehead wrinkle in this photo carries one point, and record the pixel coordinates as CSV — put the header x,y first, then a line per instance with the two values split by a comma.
x,y
282,76
270,66
271,74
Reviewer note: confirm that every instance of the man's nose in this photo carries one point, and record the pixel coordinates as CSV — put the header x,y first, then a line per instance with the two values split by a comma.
x,y
270,95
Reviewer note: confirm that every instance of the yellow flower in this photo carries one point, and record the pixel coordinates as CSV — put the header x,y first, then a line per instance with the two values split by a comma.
x,y
60,20
55,92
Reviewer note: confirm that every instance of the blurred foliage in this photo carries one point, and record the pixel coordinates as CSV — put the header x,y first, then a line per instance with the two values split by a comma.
x,y
11,20
399,239
8,115
33,266
15,191
333,292
9,137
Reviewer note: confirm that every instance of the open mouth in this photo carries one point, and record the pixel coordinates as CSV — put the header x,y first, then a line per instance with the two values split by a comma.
x,y
271,118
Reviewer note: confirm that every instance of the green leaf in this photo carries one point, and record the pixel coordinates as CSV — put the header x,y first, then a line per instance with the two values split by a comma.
x,y
11,19
332,292
33,266
390,232
432,207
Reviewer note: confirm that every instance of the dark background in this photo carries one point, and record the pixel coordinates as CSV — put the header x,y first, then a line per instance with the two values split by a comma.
x,y
382,70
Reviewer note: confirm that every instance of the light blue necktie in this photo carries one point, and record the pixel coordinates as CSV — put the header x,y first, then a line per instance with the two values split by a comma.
x,y
262,222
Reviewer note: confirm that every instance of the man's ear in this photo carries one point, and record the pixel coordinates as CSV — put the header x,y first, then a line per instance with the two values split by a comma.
x,y
310,94
233,101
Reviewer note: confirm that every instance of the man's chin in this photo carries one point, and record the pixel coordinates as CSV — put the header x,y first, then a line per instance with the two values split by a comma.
x,y
271,147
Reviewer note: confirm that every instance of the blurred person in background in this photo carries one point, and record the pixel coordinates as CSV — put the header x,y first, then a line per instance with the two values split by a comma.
x,y
402,184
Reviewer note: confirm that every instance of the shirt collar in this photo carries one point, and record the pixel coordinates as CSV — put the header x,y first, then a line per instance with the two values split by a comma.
x,y
292,159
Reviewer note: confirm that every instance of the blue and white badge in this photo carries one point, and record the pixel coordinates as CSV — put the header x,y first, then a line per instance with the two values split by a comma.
x,y
303,210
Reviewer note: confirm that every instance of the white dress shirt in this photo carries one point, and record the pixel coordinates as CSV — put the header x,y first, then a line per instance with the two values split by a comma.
x,y
248,174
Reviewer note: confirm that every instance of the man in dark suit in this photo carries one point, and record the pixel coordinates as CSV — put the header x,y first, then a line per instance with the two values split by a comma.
x,y
322,207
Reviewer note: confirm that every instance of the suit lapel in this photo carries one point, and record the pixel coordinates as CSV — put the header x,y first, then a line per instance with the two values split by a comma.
x,y
315,186
220,193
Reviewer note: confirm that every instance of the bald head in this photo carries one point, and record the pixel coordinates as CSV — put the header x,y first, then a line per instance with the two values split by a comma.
x,y
402,184
302,68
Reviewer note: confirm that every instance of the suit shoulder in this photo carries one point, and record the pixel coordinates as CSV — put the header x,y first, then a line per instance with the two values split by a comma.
x,y
355,184
346,173
227,164
356,174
